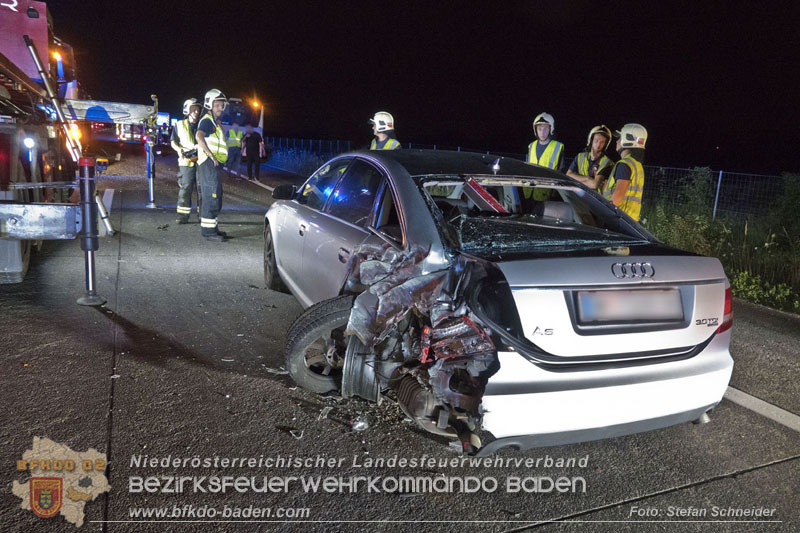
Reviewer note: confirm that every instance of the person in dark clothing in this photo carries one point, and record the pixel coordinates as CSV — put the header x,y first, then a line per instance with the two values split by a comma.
x,y
251,145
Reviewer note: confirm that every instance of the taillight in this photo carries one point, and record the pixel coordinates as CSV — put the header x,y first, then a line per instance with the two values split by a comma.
x,y
727,318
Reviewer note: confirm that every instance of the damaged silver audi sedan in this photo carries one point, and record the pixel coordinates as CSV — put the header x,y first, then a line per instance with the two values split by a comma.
x,y
488,294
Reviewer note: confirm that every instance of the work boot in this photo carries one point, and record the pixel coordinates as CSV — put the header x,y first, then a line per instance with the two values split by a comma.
x,y
220,232
182,219
214,237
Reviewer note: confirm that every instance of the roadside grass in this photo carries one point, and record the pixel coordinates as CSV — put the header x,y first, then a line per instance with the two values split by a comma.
x,y
761,254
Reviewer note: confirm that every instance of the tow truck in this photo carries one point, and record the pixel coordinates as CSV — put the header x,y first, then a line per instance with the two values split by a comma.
x,y
41,156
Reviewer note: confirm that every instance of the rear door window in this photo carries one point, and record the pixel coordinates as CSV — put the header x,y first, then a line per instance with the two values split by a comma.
x,y
354,197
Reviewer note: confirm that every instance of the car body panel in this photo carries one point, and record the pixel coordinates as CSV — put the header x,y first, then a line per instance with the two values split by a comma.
x,y
328,245
524,399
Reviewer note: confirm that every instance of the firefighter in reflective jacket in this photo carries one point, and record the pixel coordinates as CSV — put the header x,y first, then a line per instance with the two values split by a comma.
x,y
234,148
624,187
592,167
383,129
544,151
183,142
212,156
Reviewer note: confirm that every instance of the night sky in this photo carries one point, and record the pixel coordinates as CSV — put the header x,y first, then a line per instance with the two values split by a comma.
x,y
715,83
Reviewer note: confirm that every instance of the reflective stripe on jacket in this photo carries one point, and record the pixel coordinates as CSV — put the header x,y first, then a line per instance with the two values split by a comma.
x,y
391,144
234,138
631,203
186,141
216,143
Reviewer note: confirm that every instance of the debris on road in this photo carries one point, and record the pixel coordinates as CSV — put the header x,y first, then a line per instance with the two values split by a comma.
x,y
359,423
323,414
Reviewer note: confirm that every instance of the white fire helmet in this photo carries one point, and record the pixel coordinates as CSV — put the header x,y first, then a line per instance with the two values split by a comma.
x,y
383,121
545,118
187,106
632,136
212,96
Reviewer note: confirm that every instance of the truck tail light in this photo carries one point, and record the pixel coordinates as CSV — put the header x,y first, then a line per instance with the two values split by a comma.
x,y
727,318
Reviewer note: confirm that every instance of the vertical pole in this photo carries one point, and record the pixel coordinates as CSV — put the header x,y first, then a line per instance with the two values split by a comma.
x,y
151,175
716,197
88,235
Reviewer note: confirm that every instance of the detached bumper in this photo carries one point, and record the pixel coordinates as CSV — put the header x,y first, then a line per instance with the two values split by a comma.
x,y
526,406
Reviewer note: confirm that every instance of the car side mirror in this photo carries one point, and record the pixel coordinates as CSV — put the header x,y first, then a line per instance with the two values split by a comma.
x,y
284,192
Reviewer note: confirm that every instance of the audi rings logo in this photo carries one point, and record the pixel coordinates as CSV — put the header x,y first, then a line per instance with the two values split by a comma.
x,y
632,270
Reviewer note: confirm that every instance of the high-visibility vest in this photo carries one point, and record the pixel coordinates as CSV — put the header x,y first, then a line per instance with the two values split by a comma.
x,y
186,141
582,165
391,144
234,138
631,203
550,157
216,143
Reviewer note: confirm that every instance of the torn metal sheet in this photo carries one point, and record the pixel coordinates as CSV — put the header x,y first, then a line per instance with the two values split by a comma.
x,y
396,285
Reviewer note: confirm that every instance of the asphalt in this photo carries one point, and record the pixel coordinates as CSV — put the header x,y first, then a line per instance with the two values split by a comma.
x,y
185,360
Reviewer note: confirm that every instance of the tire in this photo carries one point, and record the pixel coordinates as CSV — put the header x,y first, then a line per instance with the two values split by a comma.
x,y
319,329
272,278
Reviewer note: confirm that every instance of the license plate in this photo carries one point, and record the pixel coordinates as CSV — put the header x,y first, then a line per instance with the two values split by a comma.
x,y
629,306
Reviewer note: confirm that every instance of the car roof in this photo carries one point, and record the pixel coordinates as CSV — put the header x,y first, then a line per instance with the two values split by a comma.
x,y
422,162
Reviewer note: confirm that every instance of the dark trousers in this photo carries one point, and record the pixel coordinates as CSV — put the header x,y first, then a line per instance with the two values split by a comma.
x,y
211,191
234,159
187,180
253,161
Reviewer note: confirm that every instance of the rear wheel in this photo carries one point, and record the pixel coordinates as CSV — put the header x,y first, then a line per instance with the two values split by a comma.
x,y
316,345
272,278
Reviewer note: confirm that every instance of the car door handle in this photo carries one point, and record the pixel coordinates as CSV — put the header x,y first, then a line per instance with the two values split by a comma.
x,y
302,229
344,255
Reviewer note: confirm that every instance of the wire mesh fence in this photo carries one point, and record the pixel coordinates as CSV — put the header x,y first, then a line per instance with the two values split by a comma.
x,y
712,193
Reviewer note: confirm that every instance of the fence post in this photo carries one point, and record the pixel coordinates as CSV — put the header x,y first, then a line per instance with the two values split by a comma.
x,y
716,197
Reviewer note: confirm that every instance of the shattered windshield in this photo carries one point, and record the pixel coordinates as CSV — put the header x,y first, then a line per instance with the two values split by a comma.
x,y
512,213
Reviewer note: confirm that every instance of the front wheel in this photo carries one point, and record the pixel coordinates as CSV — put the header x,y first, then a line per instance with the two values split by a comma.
x,y
272,278
316,345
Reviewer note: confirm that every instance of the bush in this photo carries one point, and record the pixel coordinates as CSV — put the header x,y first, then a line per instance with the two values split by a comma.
x,y
761,254
752,288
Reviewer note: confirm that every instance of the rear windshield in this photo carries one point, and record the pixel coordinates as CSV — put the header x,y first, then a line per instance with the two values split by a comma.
x,y
491,213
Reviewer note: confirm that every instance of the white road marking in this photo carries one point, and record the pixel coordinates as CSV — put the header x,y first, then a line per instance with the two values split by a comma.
x,y
773,412
108,198
241,176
